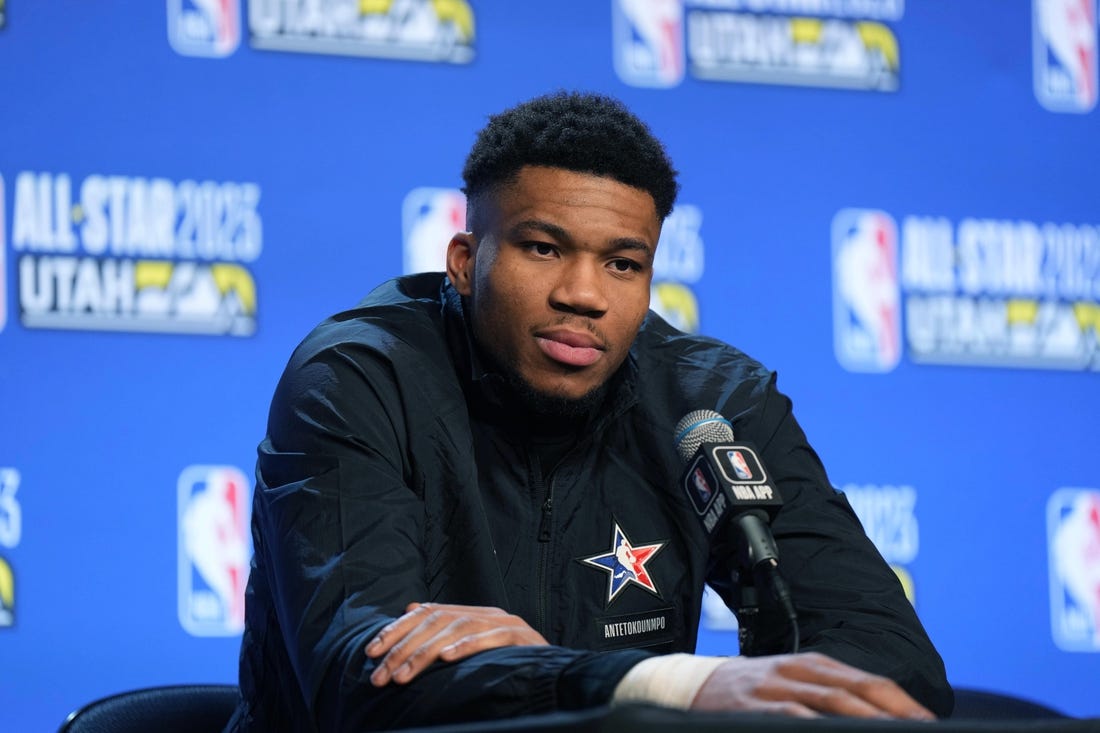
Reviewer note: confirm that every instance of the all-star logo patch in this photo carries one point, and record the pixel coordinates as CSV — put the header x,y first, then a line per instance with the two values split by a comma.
x,y
625,564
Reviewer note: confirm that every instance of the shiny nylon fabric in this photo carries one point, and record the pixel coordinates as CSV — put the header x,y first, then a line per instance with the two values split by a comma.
x,y
394,471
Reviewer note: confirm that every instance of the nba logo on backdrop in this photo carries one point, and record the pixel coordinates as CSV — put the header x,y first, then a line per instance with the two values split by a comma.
x,y
648,40
866,294
213,549
430,217
1064,37
204,27
1073,533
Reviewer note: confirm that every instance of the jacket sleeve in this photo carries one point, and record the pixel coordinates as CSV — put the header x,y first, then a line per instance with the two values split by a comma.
x,y
338,539
850,604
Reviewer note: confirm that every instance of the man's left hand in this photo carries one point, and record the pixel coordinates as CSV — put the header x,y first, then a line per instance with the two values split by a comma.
x,y
434,631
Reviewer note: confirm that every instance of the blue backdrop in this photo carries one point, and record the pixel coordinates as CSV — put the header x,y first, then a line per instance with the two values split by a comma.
x,y
891,204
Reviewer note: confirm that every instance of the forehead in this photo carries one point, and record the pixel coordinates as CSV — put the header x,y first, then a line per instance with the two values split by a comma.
x,y
571,200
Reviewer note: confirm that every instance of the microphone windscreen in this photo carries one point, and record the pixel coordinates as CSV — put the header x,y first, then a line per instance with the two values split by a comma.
x,y
698,427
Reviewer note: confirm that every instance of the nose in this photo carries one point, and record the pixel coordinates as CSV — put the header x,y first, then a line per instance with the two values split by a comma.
x,y
580,290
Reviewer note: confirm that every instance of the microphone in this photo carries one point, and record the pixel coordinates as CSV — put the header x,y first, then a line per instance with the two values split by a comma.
x,y
727,484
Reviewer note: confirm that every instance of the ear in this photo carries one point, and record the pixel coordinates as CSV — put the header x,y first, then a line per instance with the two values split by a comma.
x,y
460,261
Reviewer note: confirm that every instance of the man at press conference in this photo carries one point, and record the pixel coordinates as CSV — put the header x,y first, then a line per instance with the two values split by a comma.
x,y
470,501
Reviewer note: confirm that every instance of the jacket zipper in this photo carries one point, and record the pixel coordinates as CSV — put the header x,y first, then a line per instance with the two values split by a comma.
x,y
544,558
545,491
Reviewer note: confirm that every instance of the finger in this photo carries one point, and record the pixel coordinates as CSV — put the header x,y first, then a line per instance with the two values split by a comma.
x,y
742,698
467,610
429,616
414,641
428,650
393,633
788,708
404,647
889,697
396,658
397,629
883,694
491,639
820,698
421,646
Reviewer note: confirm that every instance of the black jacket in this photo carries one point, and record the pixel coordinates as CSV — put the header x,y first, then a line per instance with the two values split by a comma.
x,y
395,469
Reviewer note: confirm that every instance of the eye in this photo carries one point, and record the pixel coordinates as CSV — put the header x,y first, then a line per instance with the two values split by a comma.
x,y
624,266
542,249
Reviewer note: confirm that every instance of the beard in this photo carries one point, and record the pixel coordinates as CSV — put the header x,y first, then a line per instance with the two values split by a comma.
x,y
551,406
537,403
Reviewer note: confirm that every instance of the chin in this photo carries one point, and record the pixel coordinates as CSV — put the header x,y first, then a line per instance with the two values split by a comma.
x,y
571,402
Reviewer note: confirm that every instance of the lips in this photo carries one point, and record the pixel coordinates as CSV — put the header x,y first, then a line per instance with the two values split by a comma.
x,y
572,348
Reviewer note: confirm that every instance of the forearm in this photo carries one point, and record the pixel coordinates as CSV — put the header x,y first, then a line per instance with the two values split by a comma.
x,y
498,683
850,604
880,634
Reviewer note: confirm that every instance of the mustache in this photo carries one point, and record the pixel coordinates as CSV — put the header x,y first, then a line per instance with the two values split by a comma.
x,y
576,323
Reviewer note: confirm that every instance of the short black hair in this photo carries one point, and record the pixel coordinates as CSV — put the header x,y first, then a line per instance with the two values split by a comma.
x,y
577,131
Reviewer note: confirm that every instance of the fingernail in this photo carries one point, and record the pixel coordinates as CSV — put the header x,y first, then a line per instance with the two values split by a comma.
x,y
378,679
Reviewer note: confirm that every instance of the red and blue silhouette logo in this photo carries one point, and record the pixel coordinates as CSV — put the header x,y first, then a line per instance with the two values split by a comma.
x,y
213,548
1073,527
626,564
1064,40
430,217
866,293
209,28
648,38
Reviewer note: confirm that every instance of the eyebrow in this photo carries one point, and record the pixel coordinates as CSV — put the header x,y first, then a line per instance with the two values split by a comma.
x,y
517,230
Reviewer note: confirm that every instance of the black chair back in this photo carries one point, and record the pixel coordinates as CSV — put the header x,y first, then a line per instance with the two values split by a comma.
x,y
172,709
973,704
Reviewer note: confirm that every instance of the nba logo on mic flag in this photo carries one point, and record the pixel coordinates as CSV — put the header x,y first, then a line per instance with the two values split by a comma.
x,y
740,467
1064,48
648,40
1073,536
866,294
204,27
213,549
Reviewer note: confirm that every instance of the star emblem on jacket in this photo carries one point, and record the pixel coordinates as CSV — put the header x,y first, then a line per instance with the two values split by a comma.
x,y
626,564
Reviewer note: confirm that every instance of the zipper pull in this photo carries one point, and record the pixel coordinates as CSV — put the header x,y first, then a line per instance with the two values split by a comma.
x,y
544,524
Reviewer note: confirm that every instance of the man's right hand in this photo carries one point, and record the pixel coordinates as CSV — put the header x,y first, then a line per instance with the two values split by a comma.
x,y
805,685
428,632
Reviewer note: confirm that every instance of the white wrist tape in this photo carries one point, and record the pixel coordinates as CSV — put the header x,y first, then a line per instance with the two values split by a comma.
x,y
672,680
